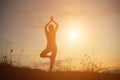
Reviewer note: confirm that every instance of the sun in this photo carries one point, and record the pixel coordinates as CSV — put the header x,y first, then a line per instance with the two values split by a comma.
x,y
72,31
73,35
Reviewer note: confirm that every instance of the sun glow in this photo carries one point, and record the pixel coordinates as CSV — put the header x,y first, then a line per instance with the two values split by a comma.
x,y
72,32
73,35
73,29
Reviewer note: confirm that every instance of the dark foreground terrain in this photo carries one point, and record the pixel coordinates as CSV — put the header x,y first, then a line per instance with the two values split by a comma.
x,y
15,73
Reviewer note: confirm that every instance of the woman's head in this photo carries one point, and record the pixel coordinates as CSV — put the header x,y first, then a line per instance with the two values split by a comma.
x,y
51,27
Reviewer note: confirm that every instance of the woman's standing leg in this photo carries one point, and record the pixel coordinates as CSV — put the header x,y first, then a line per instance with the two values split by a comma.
x,y
53,55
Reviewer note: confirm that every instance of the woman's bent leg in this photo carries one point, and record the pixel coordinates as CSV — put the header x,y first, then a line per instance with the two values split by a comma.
x,y
44,53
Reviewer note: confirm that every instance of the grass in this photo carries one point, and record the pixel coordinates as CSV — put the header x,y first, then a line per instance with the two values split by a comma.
x,y
10,72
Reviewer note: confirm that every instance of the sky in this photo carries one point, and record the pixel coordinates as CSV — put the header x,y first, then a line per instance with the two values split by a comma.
x,y
94,22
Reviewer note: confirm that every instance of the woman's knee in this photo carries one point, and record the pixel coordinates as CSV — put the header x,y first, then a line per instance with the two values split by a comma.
x,y
44,54
41,55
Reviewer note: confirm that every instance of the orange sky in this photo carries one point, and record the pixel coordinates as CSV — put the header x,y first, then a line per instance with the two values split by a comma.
x,y
95,20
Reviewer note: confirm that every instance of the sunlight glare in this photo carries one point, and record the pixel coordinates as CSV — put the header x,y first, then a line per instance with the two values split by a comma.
x,y
73,35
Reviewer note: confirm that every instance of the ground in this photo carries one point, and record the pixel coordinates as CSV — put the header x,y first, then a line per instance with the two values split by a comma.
x,y
22,73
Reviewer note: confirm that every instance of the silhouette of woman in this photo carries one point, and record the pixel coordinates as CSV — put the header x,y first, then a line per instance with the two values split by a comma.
x,y
51,43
